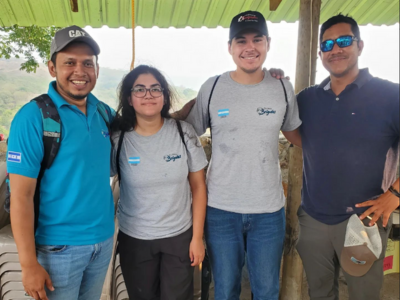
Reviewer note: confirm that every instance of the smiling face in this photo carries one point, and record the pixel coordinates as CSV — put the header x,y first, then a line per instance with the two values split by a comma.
x,y
341,61
249,51
76,71
149,105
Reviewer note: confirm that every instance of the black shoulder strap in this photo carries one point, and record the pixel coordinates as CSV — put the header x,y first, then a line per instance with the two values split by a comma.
x,y
209,101
105,113
179,125
120,140
51,142
287,103
51,129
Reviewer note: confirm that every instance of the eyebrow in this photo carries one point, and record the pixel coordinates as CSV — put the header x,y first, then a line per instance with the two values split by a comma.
x,y
153,85
242,37
74,59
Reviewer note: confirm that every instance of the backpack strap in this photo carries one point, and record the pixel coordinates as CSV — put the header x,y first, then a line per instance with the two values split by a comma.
x,y
209,101
51,142
179,125
287,103
105,113
120,140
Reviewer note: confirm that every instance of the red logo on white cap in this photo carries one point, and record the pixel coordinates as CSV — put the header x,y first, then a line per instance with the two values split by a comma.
x,y
248,17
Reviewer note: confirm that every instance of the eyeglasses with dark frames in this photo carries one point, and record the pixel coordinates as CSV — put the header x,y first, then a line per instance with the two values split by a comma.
x,y
141,91
342,41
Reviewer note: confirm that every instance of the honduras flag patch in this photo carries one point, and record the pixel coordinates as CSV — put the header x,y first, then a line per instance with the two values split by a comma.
x,y
134,160
14,157
223,112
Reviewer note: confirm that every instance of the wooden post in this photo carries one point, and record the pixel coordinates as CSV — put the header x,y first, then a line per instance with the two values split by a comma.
x,y
316,11
74,5
274,4
292,269
133,33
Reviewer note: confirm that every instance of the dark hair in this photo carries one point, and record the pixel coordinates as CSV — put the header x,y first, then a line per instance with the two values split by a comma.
x,y
125,119
53,58
340,19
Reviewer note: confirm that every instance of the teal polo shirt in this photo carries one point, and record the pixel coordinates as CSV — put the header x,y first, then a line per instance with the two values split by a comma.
x,y
76,202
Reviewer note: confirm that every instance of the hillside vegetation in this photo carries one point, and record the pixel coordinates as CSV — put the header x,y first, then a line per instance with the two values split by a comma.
x,y
18,87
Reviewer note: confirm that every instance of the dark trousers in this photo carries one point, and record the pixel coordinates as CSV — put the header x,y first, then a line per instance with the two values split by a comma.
x,y
320,247
157,269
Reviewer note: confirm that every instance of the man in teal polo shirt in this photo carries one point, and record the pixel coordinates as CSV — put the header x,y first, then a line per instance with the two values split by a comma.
x,y
67,256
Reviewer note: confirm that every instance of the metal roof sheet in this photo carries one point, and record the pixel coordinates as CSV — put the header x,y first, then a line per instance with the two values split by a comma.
x,y
181,13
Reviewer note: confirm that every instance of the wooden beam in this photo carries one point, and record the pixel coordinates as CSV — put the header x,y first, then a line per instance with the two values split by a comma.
x,y
133,33
74,5
274,4
292,268
316,12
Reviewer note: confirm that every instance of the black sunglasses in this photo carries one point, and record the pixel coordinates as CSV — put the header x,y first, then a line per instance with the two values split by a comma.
x,y
342,42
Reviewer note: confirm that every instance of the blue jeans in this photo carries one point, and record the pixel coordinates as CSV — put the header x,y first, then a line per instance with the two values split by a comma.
x,y
231,236
77,272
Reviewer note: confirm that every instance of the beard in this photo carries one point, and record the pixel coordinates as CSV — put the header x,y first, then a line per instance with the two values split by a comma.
x,y
73,96
77,97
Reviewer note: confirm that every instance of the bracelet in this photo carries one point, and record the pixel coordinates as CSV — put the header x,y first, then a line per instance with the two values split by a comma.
x,y
394,192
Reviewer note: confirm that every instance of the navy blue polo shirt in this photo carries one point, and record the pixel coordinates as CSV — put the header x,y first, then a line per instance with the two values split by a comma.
x,y
76,202
350,145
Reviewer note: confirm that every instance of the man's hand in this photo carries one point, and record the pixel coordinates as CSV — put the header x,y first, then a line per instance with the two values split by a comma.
x,y
382,206
278,74
34,278
196,251
184,111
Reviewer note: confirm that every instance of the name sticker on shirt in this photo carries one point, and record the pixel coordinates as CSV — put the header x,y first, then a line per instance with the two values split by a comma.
x,y
172,157
223,113
14,157
134,160
265,111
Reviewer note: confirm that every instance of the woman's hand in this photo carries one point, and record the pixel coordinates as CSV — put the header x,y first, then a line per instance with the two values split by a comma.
x,y
196,251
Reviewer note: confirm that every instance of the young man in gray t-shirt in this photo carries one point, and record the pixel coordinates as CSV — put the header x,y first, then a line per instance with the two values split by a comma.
x,y
245,212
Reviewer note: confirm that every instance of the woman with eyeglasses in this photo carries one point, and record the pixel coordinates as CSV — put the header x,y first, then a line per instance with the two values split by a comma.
x,y
162,204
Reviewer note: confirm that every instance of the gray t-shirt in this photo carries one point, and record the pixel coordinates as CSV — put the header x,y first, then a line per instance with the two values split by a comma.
x,y
244,175
155,197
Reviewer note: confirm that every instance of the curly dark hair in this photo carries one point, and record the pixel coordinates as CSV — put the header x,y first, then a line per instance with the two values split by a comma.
x,y
125,119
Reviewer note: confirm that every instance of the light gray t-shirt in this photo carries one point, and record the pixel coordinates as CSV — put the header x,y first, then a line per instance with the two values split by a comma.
x,y
155,197
244,175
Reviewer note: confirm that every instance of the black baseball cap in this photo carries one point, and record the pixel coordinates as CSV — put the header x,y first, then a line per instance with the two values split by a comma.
x,y
248,20
70,34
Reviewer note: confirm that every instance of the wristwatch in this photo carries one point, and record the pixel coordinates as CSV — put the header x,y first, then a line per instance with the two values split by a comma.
x,y
394,192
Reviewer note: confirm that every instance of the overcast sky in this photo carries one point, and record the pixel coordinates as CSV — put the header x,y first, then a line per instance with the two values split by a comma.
x,y
189,56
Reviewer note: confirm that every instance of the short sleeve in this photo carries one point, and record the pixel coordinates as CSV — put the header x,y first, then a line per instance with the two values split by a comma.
x,y
292,121
196,156
25,142
198,116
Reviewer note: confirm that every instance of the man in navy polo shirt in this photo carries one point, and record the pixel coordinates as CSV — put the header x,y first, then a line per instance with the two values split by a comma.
x,y
68,255
350,139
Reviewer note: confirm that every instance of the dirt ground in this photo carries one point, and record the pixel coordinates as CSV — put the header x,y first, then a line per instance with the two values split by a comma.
x,y
390,289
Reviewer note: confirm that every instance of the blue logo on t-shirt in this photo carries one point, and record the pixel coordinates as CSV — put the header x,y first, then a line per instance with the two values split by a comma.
x,y
265,111
223,113
105,133
14,157
134,160
172,157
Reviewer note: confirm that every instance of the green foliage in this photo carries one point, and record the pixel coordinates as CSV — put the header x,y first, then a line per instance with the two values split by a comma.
x,y
23,42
